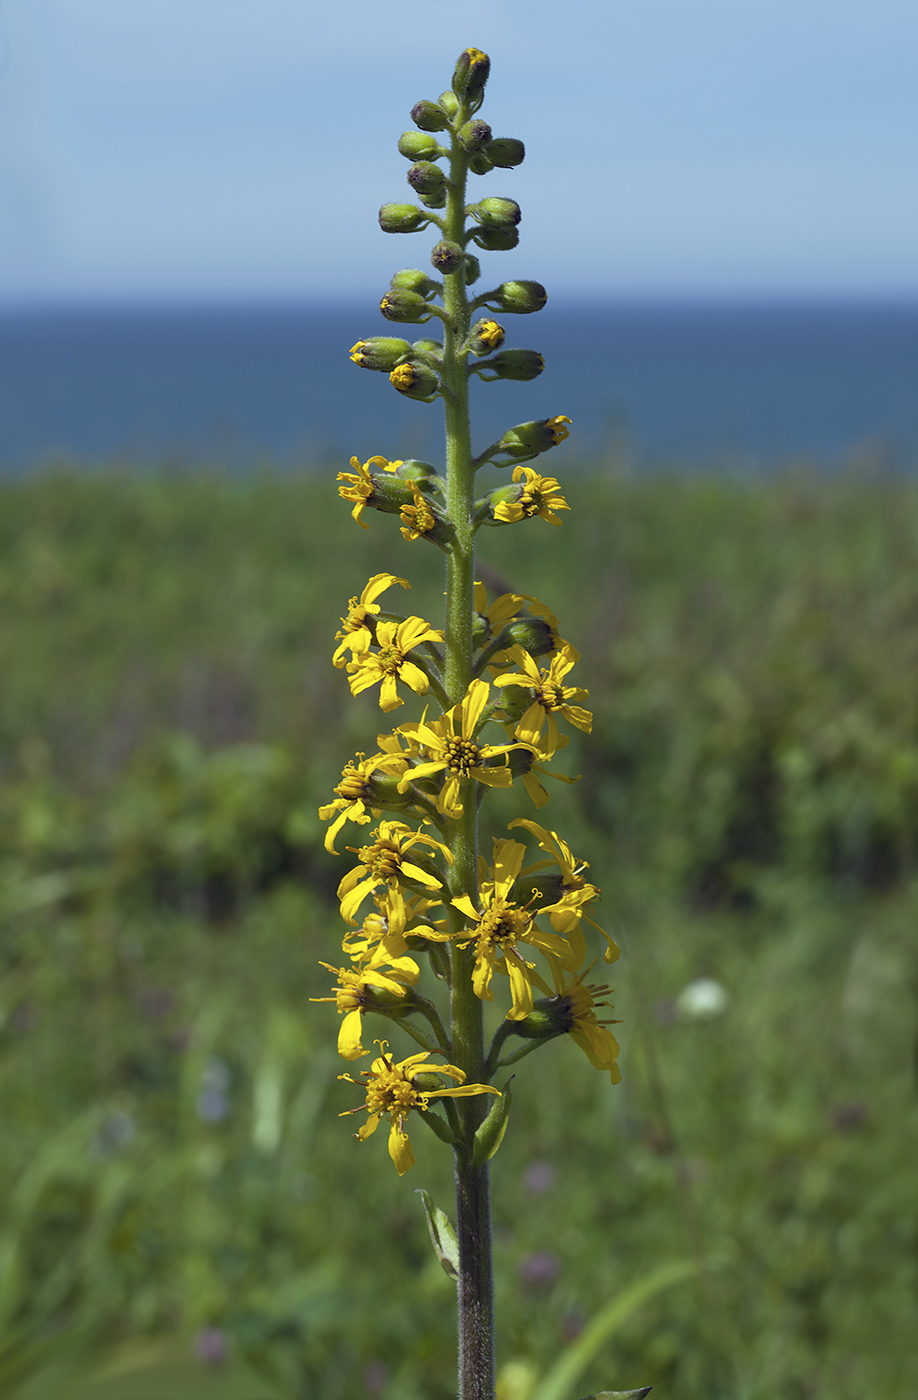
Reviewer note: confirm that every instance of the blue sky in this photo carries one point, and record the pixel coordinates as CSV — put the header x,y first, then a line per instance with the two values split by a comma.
x,y
214,149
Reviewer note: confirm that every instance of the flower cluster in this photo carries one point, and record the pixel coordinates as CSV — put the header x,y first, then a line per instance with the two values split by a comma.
x,y
495,684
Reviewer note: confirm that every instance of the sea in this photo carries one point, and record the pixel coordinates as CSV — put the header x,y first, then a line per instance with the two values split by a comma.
x,y
752,386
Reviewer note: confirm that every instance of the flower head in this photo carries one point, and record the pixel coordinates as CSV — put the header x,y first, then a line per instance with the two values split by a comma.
x,y
453,749
499,925
541,495
360,790
391,663
570,893
549,697
358,628
377,983
362,487
573,1010
393,1091
417,519
387,863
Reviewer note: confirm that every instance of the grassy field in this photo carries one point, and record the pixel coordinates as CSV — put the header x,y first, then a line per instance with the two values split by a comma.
x,y
184,1213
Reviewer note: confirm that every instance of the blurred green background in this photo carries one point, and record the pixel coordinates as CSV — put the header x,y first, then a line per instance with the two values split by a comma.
x,y
184,1214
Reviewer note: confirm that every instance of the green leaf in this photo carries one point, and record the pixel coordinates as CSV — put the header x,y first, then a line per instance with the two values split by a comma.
x,y
621,1394
490,1133
442,1236
573,1361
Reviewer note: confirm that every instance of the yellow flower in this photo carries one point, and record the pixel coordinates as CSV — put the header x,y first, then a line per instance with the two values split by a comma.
x,y
359,625
392,1092
491,333
549,698
497,928
556,426
574,892
452,748
391,662
417,519
376,982
540,496
375,932
576,1012
385,863
358,792
362,489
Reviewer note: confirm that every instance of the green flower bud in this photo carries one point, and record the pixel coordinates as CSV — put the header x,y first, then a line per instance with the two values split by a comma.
x,y
402,218
529,439
449,103
413,470
474,135
495,212
486,336
480,163
428,347
542,1023
496,240
533,634
506,152
481,629
434,201
472,269
379,352
412,279
419,145
426,178
515,701
428,116
415,380
470,75
512,364
399,305
447,256
520,297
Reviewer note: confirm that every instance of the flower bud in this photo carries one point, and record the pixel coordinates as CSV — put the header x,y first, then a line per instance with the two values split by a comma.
x,y
513,364
506,152
412,279
449,102
419,145
472,269
495,212
475,135
521,297
486,336
470,75
400,305
496,240
415,380
434,201
379,352
515,701
428,347
413,470
533,634
428,116
529,439
402,218
447,256
480,163
426,178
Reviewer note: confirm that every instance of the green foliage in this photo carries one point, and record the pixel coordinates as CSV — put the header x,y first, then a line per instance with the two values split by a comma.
x,y
172,1167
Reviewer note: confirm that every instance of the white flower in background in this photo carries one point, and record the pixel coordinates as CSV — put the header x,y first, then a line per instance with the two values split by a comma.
x,y
702,1000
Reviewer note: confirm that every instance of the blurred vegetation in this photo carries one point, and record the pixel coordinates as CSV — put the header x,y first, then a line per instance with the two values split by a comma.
x,y
183,1212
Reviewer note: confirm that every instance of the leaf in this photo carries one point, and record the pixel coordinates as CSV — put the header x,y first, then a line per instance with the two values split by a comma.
x,y
573,1361
621,1394
442,1236
490,1133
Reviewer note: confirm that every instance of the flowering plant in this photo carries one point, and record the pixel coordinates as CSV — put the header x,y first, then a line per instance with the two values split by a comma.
x,y
494,679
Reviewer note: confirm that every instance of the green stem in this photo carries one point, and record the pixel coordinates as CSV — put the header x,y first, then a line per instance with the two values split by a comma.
x,y
475,1291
